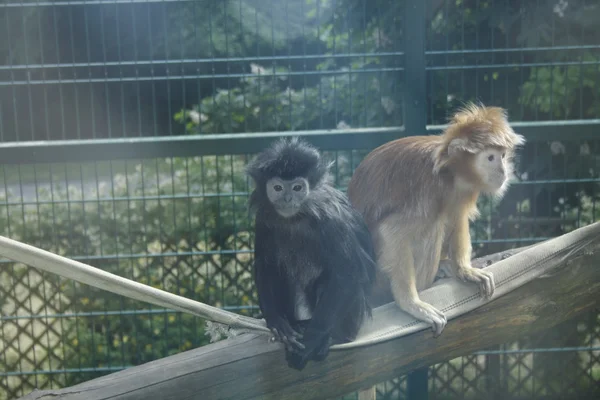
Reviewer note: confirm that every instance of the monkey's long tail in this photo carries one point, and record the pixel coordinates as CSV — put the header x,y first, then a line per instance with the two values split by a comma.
x,y
451,296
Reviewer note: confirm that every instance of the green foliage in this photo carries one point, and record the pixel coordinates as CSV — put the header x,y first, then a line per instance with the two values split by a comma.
x,y
265,101
212,29
178,224
559,91
13,51
569,89
341,94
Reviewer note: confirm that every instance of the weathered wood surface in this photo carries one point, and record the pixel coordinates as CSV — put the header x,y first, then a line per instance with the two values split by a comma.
x,y
251,367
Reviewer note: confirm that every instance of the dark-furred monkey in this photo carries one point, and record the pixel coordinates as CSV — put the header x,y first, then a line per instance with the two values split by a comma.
x,y
314,257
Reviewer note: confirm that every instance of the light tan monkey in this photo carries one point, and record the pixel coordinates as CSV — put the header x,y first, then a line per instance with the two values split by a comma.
x,y
417,195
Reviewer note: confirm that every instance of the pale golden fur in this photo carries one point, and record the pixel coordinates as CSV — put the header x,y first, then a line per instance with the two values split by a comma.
x,y
417,195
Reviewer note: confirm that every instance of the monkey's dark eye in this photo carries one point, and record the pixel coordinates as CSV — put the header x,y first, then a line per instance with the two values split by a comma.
x,y
297,188
491,158
278,188
503,155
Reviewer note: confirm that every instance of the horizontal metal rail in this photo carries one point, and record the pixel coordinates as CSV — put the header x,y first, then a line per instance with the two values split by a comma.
x,y
163,62
182,61
179,77
565,130
184,146
513,50
84,3
247,143
172,76
513,65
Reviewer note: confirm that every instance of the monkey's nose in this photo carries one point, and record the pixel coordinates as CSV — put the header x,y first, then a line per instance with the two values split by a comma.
x,y
287,199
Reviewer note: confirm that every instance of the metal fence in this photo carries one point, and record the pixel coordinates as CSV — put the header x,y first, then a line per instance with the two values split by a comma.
x,y
125,126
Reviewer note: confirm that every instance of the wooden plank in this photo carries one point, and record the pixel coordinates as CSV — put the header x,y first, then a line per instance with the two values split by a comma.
x,y
251,367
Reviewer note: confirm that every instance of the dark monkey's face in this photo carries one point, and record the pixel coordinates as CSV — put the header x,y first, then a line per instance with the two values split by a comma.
x,y
287,196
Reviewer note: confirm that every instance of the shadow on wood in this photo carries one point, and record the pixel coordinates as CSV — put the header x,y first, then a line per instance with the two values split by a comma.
x,y
251,367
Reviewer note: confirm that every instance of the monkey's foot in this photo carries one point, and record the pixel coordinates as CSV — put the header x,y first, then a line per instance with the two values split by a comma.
x,y
316,349
296,360
283,331
427,313
484,278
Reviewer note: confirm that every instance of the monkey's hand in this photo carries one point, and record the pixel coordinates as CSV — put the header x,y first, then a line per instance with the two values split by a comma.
x,y
283,331
484,278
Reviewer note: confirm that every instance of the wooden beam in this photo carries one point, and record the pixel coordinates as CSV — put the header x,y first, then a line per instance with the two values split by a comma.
x,y
251,367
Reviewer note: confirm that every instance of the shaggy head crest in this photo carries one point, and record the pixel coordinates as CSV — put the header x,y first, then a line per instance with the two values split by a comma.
x,y
288,159
482,127
474,128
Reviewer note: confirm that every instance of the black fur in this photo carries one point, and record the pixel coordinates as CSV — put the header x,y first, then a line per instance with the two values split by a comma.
x,y
325,251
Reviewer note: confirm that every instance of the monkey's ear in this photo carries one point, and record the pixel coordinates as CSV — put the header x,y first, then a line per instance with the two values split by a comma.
x,y
459,145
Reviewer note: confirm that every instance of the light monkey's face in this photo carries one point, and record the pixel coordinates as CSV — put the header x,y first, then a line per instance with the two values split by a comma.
x,y
287,196
493,167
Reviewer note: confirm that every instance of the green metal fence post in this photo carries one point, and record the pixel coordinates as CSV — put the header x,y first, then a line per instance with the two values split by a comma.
x,y
415,86
415,121
417,384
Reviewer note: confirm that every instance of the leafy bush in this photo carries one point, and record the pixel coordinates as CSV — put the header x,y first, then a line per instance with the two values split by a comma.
x,y
178,224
